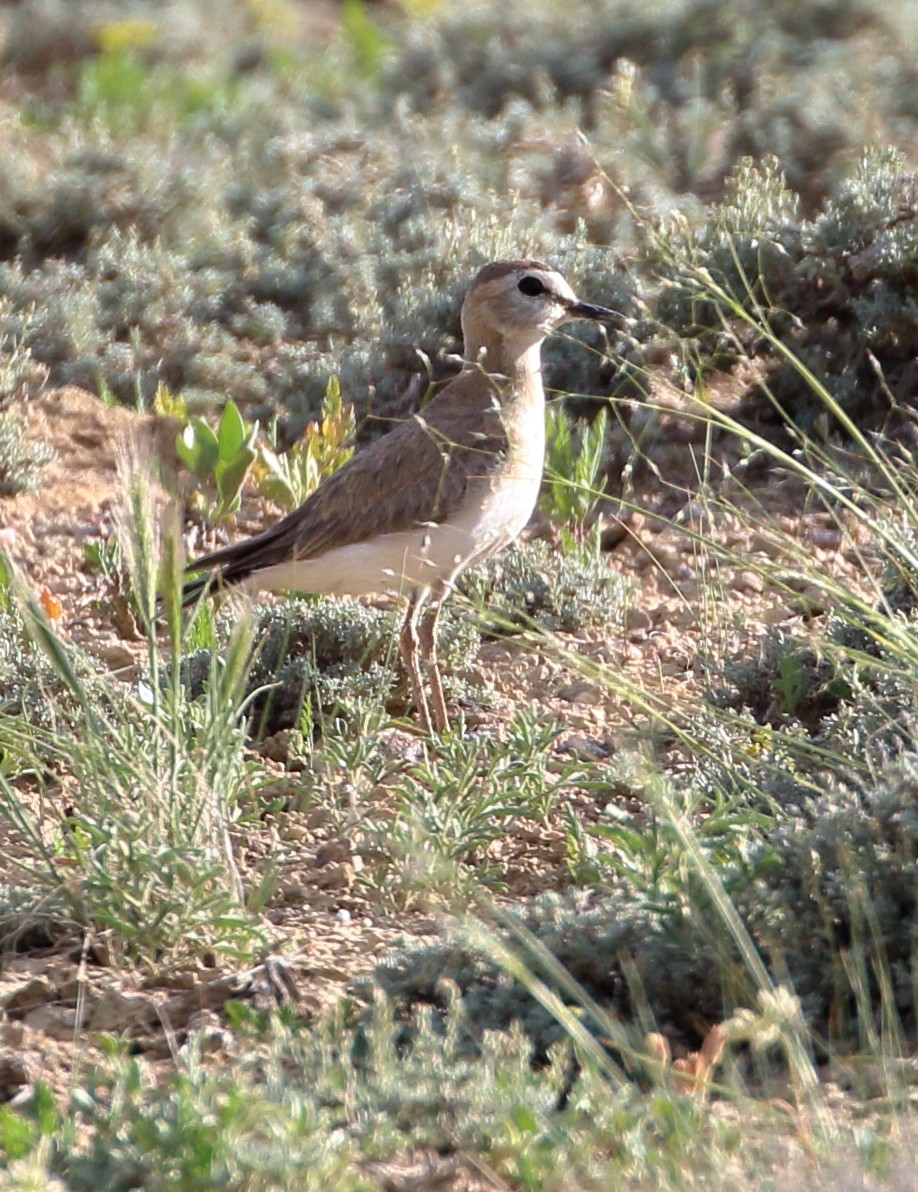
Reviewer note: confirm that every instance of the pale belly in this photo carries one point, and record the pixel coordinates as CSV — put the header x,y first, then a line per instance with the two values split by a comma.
x,y
429,556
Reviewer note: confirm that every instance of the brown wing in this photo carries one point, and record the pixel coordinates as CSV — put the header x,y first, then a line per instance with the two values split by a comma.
x,y
417,473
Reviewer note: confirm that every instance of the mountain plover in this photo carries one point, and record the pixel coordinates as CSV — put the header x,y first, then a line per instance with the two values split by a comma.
x,y
446,488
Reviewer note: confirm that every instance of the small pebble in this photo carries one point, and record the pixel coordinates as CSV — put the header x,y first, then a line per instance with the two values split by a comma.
x,y
825,537
332,851
749,581
581,693
583,747
638,618
115,655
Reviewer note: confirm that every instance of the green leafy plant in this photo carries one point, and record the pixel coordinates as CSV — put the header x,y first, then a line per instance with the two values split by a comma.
x,y
452,807
169,404
367,40
220,458
104,557
127,85
325,446
573,469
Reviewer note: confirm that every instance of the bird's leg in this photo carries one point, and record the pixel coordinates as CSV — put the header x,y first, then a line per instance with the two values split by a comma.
x,y
427,641
409,641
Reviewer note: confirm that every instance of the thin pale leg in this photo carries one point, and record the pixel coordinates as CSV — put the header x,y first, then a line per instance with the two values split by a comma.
x,y
427,642
409,643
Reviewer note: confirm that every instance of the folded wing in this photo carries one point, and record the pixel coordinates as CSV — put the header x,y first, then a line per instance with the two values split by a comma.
x,y
361,502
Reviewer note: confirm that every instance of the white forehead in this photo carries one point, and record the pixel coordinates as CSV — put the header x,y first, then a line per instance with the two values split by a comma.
x,y
509,282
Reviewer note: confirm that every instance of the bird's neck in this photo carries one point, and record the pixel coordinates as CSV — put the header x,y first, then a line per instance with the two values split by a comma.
x,y
515,367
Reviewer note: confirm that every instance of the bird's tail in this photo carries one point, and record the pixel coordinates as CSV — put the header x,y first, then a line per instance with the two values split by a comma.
x,y
211,573
200,586
234,563
227,566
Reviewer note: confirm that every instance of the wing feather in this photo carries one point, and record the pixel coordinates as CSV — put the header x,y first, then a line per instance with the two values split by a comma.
x,y
435,457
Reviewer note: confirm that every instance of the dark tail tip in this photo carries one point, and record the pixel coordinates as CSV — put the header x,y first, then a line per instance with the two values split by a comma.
x,y
196,588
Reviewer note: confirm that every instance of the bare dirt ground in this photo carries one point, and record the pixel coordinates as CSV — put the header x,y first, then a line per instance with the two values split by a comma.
x,y
329,926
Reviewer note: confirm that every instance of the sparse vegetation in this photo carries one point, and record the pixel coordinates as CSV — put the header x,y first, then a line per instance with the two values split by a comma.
x,y
532,584
680,862
21,462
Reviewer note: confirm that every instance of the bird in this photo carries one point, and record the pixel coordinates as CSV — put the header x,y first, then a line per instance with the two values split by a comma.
x,y
449,486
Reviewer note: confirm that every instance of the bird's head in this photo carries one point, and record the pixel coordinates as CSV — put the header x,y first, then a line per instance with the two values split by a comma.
x,y
512,305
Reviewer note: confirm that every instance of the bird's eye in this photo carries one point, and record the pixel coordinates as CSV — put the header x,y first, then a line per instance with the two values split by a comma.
x,y
531,286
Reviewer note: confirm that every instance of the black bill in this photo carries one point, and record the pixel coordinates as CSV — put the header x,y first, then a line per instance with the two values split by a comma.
x,y
586,310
